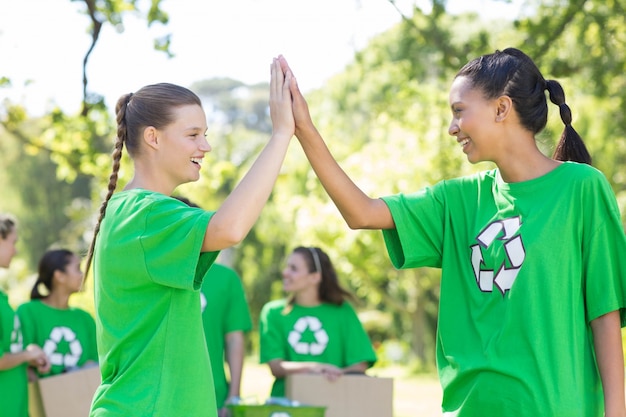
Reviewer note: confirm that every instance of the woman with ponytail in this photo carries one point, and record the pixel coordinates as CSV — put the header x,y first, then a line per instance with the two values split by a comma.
x,y
314,330
533,286
67,334
151,252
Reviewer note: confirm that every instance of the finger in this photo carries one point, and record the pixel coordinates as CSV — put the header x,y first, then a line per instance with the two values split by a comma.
x,y
283,64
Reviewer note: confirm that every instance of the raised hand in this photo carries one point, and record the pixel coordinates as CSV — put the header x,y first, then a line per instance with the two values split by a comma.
x,y
280,99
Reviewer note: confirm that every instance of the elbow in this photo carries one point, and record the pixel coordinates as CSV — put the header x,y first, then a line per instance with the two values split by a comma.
x,y
276,369
359,223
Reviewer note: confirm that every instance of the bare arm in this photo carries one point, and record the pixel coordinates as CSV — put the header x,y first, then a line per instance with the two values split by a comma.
x,y
234,219
609,355
359,210
33,355
234,357
281,368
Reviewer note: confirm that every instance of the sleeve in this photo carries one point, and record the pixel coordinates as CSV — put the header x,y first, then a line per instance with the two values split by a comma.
x,y
603,249
417,239
172,244
272,343
239,312
358,346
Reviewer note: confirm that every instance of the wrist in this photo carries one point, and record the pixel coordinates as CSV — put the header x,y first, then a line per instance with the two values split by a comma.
x,y
233,400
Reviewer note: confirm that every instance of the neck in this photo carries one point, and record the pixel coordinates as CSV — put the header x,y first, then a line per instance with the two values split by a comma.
x,y
57,299
307,298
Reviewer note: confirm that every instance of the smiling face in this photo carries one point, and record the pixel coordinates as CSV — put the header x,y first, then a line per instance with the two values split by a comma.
x,y
296,276
7,248
473,121
182,145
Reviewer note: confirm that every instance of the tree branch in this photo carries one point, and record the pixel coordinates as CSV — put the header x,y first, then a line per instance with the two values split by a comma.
x,y
97,26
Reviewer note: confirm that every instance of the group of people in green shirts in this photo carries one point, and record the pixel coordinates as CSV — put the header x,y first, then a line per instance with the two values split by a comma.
x,y
533,287
67,335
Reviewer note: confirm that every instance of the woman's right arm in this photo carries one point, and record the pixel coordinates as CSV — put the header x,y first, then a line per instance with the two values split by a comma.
x,y
233,220
359,210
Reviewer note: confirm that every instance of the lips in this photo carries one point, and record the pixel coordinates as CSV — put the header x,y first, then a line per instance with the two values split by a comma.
x,y
197,161
463,142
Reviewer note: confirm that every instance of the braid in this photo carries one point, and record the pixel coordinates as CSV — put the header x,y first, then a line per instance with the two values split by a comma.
x,y
120,110
571,146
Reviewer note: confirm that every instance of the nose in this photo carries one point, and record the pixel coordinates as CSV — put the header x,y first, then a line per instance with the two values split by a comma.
x,y
453,129
204,145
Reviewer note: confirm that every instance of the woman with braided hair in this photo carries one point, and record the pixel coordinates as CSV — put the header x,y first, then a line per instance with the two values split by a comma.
x,y
533,286
151,251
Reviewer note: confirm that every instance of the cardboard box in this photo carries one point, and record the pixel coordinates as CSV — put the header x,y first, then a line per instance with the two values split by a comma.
x,y
349,396
64,395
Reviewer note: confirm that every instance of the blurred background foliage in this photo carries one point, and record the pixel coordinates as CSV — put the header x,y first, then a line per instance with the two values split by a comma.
x,y
385,118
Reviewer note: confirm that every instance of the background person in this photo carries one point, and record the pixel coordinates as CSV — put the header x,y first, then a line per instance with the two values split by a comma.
x,y
225,317
533,285
315,330
67,334
14,359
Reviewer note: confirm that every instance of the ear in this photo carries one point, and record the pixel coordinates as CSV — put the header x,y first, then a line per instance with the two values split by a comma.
x,y
316,277
59,276
504,107
150,137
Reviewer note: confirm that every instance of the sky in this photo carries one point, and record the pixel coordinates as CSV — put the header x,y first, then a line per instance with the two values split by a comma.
x,y
43,43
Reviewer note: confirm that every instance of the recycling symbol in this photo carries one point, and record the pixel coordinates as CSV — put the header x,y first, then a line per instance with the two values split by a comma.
x,y
503,278
58,335
314,325
17,342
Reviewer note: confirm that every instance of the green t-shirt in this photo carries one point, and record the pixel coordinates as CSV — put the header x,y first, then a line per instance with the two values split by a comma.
x,y
14,381
148,269
224,310
326,333
68,336
525,268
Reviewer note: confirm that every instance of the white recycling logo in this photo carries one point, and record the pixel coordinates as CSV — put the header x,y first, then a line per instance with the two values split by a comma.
x,y
69,359
315,326
501,230
17,342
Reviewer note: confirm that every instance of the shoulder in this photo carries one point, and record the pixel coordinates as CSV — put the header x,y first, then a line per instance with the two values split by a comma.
x,y
346,308
582,172
484,177
274,306
29,306
84,314
223,271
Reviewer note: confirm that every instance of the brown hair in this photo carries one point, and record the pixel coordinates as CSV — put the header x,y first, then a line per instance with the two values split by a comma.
x,y
7,224
153,105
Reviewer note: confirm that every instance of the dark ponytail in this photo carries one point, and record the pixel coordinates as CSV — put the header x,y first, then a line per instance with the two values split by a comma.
x,y
51,261
571,146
